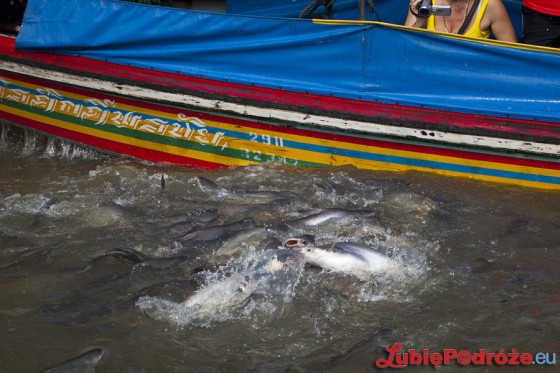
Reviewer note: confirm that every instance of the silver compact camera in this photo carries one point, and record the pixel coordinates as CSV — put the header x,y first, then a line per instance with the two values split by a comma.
x,y
426,9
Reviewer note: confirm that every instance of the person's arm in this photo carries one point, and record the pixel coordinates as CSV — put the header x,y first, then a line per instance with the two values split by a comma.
x,y
411,19
496,18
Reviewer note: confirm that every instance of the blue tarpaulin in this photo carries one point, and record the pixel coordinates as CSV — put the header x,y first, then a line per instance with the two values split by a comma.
x,y
373,62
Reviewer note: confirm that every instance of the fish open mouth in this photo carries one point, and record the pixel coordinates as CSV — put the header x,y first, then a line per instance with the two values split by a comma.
x,y
299,242
293,243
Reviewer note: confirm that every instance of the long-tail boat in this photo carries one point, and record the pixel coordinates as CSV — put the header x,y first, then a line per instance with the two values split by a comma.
x,y
302,82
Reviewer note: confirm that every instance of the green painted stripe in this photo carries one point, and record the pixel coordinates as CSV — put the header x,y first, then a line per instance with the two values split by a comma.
x,y
155,138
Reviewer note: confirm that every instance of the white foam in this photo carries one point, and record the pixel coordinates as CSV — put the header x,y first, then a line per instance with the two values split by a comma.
x,y
255,282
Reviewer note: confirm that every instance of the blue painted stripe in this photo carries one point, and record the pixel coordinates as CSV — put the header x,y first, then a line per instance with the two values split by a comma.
x,y
408,161
432,164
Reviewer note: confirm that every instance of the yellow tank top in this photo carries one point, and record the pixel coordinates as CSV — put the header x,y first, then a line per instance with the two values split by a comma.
x,y
474,31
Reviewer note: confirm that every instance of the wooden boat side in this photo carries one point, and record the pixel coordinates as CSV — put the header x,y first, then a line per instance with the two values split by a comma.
x,y
209,124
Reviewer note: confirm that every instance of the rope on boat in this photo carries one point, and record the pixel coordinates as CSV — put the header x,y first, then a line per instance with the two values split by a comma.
x,y
312,7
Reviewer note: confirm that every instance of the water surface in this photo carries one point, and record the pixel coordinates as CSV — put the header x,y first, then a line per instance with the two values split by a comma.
x,y
478,265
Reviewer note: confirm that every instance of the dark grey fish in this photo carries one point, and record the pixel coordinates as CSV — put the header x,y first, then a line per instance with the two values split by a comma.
x,y
128,255
199,217
174,290
105,214
376,341
135,257
74,311
207,216
217,232
50,203
235,243
114,188
328,214
208,186
83,363
179,225
3,194
170,231
267,214
29,258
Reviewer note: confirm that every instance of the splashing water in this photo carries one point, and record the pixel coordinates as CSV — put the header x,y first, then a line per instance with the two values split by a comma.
x,y
33,142
256,281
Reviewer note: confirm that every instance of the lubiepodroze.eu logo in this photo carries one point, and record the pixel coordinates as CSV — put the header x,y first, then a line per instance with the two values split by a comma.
x,y
398,359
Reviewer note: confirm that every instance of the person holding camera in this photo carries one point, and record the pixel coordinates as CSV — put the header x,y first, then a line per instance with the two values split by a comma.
x,y
474,18
541,22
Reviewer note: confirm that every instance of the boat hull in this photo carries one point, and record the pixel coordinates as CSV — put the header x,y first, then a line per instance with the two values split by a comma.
x,y
158,124
178,118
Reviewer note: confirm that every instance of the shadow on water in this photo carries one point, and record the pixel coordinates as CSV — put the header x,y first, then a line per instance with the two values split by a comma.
x,y
127,266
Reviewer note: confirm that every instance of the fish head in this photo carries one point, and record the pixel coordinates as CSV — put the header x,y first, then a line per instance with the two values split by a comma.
x,y
305,245
313,254
298,243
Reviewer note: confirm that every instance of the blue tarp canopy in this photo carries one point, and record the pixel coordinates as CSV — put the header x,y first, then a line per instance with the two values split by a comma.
x,y
371,62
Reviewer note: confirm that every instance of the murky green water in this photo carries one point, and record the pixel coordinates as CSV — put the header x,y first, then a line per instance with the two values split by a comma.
x,y
481,270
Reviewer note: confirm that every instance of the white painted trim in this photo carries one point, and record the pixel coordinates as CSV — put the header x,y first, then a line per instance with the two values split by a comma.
x,y
282,115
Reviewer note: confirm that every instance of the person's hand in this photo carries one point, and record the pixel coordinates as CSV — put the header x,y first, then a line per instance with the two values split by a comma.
x,y
414,6
412,18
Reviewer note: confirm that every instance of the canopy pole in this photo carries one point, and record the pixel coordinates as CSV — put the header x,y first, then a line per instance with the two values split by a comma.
x,y
362,9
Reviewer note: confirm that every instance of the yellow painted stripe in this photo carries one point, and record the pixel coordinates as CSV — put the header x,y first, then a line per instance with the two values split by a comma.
x,y
169,149
309,156
335,161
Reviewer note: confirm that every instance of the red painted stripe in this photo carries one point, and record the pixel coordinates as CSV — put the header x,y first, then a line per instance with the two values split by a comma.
x,y
384,112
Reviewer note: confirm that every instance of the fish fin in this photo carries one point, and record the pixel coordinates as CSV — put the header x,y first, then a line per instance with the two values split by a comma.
x,y
83,363
332,245
208,186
